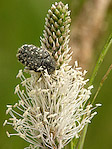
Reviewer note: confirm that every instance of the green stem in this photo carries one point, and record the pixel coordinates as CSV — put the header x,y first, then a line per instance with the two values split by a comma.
x,y
102,82
98,64
100,59
82,138
72,145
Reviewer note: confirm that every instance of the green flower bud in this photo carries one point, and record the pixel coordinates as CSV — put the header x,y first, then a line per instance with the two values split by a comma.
x,y
56,34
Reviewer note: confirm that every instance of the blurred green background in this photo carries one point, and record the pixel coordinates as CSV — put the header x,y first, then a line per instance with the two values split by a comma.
x,y
22,21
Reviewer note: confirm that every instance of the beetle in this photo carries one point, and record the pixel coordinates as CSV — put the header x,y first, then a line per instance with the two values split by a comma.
x,y
35,58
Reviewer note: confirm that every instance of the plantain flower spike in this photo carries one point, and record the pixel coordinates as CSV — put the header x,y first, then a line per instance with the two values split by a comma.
x,y
52,107
56,33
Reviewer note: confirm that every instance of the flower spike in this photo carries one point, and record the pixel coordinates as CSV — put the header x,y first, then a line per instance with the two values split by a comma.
x,y
51,109
56,33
